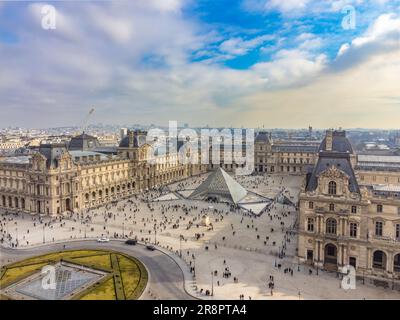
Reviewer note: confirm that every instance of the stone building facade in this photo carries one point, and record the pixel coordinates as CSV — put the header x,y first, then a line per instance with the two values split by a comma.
x,y
294,157
56,179
348,220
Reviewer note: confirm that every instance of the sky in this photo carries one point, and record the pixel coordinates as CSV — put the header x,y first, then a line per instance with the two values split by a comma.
x,y
251,63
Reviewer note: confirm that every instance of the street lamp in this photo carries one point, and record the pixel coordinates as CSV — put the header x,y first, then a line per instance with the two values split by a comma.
x,y
180,246
155,234
44,238
212,283
194,267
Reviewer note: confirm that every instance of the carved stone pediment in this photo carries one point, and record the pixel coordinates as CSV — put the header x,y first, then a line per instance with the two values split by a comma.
x,y
38,161
333,173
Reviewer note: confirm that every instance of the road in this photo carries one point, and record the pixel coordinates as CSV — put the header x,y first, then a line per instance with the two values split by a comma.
x,y
165,276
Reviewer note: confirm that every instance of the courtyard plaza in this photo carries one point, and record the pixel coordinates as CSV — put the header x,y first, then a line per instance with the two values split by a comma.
x,y
236,255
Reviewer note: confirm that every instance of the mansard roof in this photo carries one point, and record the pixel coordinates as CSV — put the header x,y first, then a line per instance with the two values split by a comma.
x,y
341,162
83,142
52,152
138,139
263,137
340,143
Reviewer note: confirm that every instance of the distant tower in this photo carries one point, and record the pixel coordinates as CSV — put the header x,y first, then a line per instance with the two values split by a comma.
x,y
123,132
310,132
397,139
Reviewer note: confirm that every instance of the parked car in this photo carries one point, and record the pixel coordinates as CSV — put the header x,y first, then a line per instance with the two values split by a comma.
x,y
150,247
131,242
103,239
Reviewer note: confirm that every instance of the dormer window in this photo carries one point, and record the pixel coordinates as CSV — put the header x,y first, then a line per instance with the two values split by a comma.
x,y
332,186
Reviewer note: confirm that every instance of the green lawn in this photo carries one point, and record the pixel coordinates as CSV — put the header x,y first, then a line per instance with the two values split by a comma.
x,y
126,280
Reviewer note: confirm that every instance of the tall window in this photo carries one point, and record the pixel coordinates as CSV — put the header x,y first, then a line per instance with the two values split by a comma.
x,y
332,187
310,224
379,260
331,226
311,205
379,208
398,231
353,230
331,207
379,228
353,209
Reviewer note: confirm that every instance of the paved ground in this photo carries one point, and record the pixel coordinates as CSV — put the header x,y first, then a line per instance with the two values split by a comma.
x,y
166,278
246,245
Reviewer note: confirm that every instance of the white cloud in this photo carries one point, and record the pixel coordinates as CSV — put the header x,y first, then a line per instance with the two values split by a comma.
x,y
286,6
308,41
291,67
239,46
381,37
134,62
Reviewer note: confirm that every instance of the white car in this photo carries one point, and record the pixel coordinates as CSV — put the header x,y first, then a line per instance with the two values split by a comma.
x,y
103,239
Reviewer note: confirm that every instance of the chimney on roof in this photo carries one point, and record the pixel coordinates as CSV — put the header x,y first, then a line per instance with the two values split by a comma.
x,y
329,140
131,138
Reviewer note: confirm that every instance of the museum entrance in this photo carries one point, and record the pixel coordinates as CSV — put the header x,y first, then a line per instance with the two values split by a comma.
x,y
310,256
68,204
330,257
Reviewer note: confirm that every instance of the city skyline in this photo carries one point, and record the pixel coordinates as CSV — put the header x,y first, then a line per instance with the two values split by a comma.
x,y
247,63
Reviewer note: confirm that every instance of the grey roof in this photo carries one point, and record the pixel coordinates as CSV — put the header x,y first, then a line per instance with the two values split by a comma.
x,y
294,148
386,187
106,150
263,137
340,143
219,184
80,154
83,142
52,153
378,162
16,160
139,139
341,162
378,158
385,190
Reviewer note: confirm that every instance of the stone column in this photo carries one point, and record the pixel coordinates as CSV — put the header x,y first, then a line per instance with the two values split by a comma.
x,y
389,262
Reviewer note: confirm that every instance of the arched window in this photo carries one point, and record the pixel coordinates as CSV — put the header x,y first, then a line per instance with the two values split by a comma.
x,y
379,260
396,263
332,187
331,225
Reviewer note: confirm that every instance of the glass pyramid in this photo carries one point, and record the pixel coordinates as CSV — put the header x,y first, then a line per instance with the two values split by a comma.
x,y
219,184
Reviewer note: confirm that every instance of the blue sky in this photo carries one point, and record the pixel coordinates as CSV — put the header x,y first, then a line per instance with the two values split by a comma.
x,y
245,62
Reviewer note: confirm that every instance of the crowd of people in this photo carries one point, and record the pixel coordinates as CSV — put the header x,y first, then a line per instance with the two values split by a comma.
x,y
168,224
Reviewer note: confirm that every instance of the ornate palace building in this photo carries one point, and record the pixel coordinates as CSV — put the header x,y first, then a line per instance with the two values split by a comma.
x,y
295,157
350,211
82,175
